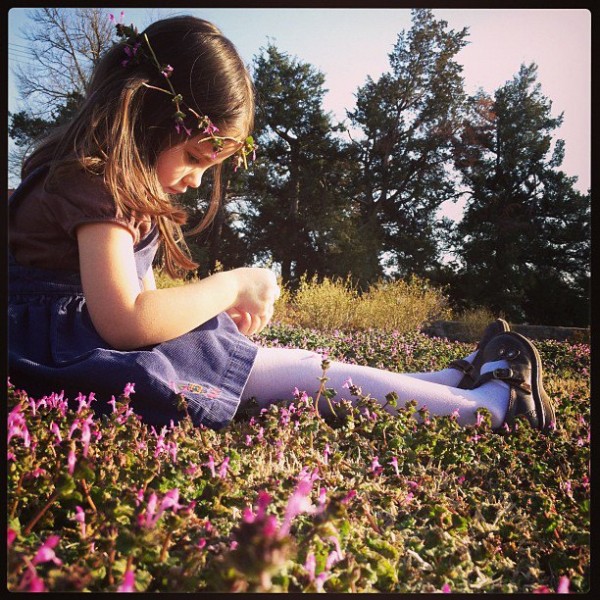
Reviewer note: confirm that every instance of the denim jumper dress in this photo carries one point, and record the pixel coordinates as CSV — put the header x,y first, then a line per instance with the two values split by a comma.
x,y
53,347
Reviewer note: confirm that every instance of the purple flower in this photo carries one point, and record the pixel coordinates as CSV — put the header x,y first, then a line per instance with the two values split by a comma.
x,y
211,129
170,500
446,589
310,565
17,426
346,499
394,463
376,468
129,389
46,553
11,534
322,495
299,501
211,465
224,468
167,71
56,431
128,583
563,585
80,518
71,460
262,501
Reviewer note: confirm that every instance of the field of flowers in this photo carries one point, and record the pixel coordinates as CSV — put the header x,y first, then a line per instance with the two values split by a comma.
x,y
285,501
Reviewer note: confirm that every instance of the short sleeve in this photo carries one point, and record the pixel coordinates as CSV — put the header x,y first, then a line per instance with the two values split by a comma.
x,y
79,197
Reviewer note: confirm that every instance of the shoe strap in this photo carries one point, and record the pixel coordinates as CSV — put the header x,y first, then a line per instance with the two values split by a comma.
x,y
462,365
507,375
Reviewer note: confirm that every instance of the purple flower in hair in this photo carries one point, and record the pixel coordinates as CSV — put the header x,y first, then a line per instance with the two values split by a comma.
x,y
167,71
131,52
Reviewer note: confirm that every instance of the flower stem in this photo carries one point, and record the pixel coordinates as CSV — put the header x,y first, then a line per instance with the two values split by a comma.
x,y
42,512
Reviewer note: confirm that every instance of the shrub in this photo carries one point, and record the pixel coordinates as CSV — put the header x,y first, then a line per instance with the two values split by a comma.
x,y
401,305
332,304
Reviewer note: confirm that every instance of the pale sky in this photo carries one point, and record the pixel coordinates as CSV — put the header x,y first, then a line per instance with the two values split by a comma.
x,y
347,44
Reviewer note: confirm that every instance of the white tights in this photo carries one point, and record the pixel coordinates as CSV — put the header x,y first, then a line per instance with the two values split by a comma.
x,y
277,371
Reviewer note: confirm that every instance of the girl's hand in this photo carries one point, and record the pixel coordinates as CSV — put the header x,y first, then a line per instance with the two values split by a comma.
x,y
246,323
257,292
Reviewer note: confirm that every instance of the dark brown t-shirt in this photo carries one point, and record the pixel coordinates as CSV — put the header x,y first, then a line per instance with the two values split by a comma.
x,y
42,229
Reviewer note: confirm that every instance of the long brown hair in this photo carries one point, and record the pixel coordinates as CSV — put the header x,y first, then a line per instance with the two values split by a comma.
x,y
122,125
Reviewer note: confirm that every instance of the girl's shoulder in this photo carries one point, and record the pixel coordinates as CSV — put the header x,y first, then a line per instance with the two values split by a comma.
x,y
75,195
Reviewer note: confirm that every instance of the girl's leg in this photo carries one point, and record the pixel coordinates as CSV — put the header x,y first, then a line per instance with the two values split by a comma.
x,y
450,377
277,371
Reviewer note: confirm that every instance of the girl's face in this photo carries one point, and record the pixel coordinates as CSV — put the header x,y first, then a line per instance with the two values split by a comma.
x,y
183,165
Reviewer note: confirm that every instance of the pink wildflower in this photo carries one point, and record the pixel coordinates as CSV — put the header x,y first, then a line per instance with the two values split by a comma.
x,y
310,565
71,460
300,396
179,126
80,518
130,52
128,583
446,589
170,500
376,468
211,465
54,428
46,552
248,441
326,453
563,585
299,502
167,71
322,496
262,501
394,463
348,383
211,129
11,534
224,468
37,473
201,543
480,420
346,499
31,582
129,389
17,426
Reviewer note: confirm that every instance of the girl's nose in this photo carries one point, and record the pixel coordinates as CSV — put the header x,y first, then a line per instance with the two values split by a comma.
x,y
194,178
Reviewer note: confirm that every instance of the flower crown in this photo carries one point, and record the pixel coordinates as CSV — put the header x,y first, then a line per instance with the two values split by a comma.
x,y
137,50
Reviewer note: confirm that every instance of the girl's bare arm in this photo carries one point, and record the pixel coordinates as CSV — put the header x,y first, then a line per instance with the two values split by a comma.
x,y
128,318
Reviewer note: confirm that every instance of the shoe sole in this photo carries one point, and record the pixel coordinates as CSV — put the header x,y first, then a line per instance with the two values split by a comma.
x,y
543,404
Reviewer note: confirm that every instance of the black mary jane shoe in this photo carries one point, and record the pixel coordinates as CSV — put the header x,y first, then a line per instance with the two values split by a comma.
x,y
528,398
471,370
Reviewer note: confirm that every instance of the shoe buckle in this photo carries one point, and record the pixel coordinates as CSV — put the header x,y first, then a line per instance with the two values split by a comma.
x,y
502,373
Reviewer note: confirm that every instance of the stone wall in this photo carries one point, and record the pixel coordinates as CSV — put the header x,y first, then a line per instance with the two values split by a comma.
x,y
460,332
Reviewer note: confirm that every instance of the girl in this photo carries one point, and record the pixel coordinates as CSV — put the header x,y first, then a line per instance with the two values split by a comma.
x,y
99,197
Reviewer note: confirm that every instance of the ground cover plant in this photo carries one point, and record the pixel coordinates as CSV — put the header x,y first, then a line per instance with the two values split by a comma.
x,y
284,500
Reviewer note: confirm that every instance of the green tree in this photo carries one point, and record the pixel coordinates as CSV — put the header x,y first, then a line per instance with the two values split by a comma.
x,y
524,239
299,209
407,120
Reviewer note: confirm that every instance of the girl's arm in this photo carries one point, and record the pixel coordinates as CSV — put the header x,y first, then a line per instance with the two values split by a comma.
x,y
127,318
148,281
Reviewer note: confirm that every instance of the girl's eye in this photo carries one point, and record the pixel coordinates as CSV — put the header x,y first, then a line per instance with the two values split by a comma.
x,y
192,159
